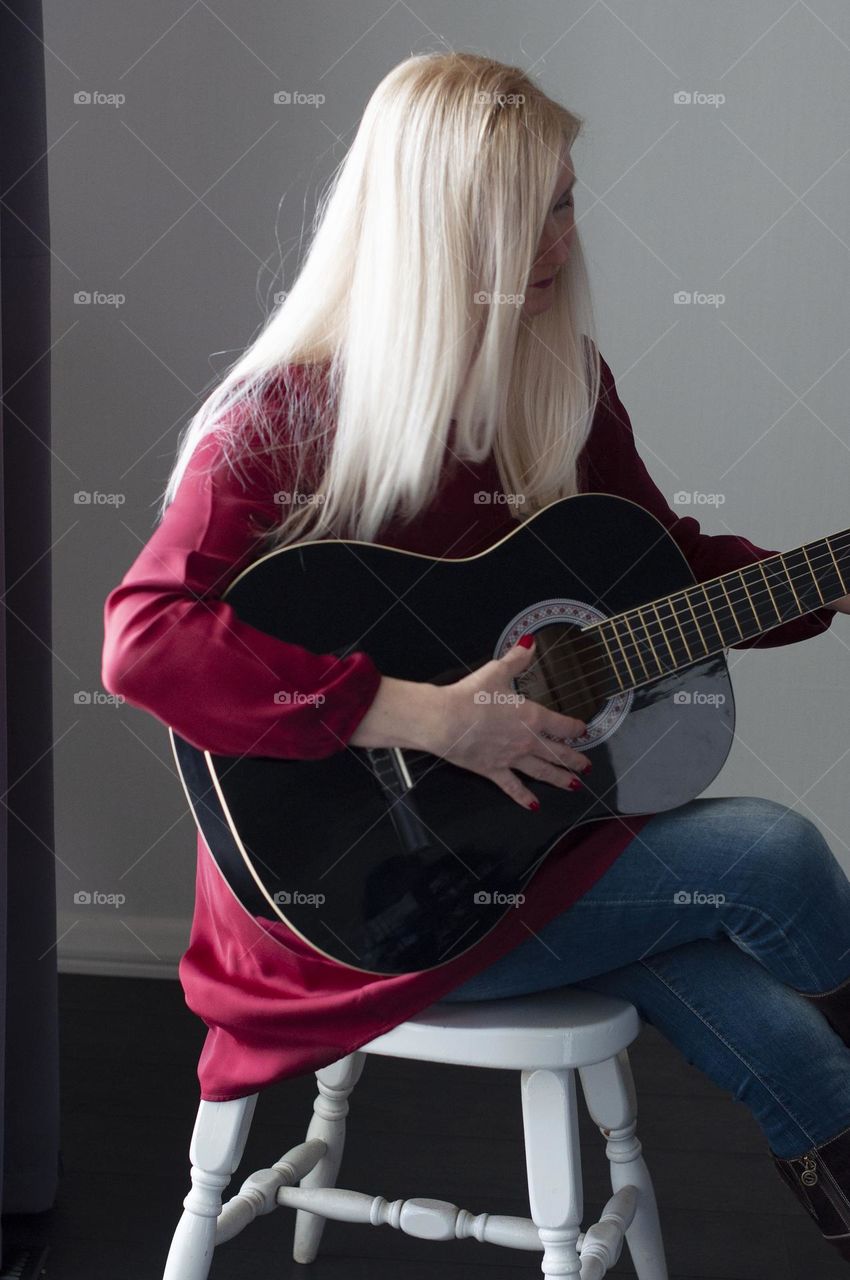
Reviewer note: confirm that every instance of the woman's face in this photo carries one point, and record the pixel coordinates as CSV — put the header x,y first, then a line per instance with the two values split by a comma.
x,y
554,247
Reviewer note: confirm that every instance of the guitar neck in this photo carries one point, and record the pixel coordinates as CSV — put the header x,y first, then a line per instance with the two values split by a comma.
x,y
671,632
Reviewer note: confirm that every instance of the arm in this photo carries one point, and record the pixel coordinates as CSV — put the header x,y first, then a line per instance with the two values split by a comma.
x,y
615,466
174,649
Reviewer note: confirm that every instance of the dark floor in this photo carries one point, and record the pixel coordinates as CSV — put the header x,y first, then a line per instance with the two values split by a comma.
x,y
129,1096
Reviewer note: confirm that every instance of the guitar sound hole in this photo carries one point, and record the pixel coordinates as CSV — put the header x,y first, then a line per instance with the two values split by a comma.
x,y
564,675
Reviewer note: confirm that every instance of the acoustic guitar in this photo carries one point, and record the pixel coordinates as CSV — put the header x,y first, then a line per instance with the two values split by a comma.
x,y
393,861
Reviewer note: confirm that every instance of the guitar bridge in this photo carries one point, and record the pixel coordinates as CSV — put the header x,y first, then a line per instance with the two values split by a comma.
x,y
390,769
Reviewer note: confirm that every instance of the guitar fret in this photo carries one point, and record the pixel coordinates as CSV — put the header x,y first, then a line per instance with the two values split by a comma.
x,y
838,573
689,603
609,622
627,621
674,616
718,604
711,620
663,632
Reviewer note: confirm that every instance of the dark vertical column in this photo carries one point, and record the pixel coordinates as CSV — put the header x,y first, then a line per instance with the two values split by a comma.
x,y
28,887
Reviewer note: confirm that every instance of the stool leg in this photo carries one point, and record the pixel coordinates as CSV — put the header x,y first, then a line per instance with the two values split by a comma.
x,y
218,1141
611,1099
328,1123
553,1164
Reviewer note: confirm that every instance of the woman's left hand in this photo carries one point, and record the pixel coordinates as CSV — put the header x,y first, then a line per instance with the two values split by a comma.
x,y
840,606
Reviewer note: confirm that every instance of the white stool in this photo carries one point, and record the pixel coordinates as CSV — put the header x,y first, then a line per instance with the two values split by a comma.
x,y
545,1036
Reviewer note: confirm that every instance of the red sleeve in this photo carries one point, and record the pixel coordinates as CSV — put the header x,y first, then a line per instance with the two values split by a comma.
x,y
176,650
615,466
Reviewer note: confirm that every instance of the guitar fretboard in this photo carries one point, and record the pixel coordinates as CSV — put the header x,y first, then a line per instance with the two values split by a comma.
x,y
670,633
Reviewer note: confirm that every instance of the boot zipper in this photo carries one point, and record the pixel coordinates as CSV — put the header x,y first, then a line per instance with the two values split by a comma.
x,y
809,1178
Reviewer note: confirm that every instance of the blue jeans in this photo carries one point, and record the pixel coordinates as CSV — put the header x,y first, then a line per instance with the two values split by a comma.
x,y
712,921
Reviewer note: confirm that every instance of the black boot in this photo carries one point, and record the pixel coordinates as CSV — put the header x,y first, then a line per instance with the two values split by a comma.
x,y
835,1007
821,1181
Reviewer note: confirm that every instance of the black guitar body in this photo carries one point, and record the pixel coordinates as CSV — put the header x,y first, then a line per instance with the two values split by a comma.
x,y
392,862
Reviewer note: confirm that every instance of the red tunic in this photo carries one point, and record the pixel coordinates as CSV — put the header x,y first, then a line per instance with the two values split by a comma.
x,y
274,1008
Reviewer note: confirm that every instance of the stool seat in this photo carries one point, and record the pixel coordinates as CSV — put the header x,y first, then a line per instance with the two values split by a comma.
x,y
564,1027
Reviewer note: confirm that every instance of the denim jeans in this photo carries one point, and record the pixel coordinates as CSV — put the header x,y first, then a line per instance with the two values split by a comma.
x,y
712,921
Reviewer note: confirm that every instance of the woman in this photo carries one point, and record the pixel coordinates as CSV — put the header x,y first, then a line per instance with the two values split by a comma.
x,y
437,346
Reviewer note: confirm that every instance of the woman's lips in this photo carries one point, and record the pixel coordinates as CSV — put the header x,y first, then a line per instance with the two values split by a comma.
x,y
543,284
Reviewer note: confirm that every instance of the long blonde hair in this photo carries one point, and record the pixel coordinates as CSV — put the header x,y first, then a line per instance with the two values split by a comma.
x,y
383,337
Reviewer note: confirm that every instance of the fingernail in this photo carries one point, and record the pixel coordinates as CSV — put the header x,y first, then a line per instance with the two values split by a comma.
x,y
587,768
526,641
575,783
535,804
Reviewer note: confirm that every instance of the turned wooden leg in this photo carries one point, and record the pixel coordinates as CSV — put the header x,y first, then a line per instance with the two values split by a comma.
x,y
218,1142
609,1092
553,1164
327,1123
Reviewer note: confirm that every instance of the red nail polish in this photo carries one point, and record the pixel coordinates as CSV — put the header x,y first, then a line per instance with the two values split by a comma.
x,y
535,805
587,768
575,783
526,641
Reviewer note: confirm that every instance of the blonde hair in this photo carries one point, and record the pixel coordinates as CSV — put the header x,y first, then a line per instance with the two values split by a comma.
x,y
382,338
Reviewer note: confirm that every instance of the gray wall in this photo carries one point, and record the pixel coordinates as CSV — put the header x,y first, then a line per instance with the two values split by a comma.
x,y
170,198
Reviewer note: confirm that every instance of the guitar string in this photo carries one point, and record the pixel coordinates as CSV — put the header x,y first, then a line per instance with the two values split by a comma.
x,y
756,595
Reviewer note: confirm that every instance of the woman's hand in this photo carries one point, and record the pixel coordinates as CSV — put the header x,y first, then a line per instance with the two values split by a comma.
x,y
840,606
487,727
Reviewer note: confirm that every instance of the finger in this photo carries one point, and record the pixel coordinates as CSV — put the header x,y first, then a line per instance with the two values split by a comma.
x,y
512,787
558,752
561,726
543,771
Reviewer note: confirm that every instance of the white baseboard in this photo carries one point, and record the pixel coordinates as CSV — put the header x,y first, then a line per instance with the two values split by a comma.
x,y
112,944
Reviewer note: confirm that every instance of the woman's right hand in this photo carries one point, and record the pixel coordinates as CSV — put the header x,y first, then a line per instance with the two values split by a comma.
x,y
482,730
